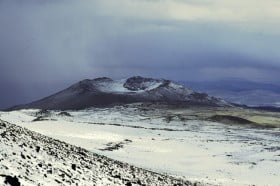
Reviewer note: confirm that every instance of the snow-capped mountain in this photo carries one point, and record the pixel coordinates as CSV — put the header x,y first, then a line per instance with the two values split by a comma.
x,y
105,91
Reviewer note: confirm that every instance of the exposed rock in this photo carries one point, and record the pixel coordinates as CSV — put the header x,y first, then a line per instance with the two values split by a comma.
x,y
12,181
73,166
43,113
115,146
139,83
64,114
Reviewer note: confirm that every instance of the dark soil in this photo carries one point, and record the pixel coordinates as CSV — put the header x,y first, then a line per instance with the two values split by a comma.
x,y
228,119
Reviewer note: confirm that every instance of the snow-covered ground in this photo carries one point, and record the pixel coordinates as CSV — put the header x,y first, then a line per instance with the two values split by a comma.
x,y
196,150
28,158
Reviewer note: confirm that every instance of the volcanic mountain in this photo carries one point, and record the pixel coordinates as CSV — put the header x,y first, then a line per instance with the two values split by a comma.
x,y
106,92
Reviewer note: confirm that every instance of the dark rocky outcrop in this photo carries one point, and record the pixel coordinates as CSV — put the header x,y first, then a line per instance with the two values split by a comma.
x,y
11,180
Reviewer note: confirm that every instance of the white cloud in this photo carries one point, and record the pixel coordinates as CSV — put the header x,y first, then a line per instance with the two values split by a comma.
x,y
207,10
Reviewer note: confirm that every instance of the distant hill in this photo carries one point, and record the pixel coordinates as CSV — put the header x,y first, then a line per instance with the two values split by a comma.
x,y
240,91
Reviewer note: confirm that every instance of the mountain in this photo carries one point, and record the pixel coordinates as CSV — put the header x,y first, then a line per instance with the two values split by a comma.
x,y
105,92
240,91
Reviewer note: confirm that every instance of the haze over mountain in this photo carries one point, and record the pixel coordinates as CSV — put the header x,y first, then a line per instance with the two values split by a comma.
x,y
240,91
105,92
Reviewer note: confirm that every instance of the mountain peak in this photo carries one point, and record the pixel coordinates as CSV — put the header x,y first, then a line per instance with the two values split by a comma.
x,y
102,79
137,83
84,85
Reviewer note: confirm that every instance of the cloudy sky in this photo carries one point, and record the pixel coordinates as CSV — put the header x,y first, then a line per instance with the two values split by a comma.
x,y
46,45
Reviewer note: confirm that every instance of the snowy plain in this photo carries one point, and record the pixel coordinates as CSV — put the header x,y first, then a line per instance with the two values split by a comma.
x,y
195,150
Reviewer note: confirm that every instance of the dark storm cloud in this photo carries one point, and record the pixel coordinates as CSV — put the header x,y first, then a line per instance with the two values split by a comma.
x,y
47,44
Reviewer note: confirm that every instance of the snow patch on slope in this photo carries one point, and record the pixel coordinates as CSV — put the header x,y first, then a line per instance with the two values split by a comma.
x,y
117,86
113,86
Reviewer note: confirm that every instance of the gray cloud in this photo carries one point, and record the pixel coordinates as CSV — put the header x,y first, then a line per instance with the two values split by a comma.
x,y
47,45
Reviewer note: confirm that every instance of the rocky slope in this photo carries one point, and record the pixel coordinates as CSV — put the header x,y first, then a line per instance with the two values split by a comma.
x,y
105,92
28,158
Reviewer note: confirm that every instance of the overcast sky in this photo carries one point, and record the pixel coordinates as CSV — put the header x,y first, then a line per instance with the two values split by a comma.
x,y
46,45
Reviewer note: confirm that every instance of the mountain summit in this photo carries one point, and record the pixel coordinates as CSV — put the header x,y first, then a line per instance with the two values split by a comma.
x,y
105,92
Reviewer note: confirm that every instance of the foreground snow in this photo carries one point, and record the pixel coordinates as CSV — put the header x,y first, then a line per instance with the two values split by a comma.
x,y
197,150
28,158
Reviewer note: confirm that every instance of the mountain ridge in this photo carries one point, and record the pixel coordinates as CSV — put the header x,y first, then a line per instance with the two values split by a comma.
x,y
105,91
